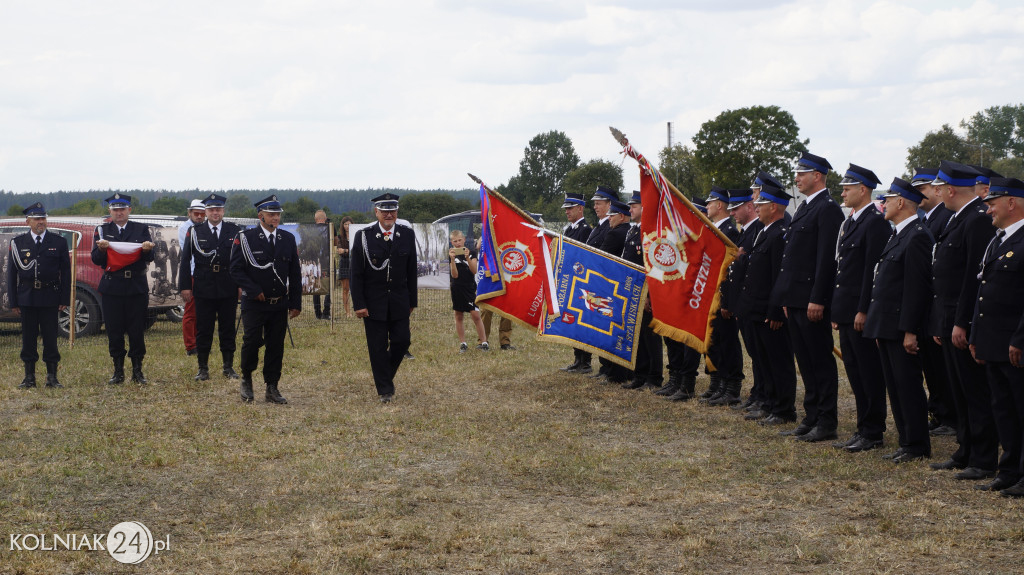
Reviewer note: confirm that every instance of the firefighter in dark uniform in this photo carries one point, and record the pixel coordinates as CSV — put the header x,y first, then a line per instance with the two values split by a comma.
x,y
725,352
958,252
384,292
898,317
210,285
861,239
804,290
772,349
578,230
741,207
997,338
125,291
649,359
602,199
265,264
763,178
38,285
602,207
613,243
940,397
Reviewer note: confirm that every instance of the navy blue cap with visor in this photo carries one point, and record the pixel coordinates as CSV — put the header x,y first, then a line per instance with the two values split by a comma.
x,y
984,174
606,194
739,197
808,162
1002,187
856,175
619,207
903,189
36,210
269,204
635,198
955,174
923,176
699,204
386,202
717,194
763,178
119,200
214,201
572,199
772,194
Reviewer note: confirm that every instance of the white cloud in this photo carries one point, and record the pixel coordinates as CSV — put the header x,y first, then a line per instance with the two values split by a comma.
x,y
320,94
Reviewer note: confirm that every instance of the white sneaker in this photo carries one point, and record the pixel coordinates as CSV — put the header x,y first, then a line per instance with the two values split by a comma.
x,y
484,347
463,347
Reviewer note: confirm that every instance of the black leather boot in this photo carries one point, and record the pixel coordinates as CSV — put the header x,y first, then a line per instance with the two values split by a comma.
x,y
204,367
118,376
730,394
685,391
246,387
30,376
137,376
51,375
572,366
228,371
273,396
714,388
675,381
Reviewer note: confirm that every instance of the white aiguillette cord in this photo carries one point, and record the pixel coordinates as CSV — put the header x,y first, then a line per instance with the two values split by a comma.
x,y
251,259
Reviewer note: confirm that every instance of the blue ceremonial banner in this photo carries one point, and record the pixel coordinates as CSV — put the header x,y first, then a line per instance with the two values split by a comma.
x,y
600,298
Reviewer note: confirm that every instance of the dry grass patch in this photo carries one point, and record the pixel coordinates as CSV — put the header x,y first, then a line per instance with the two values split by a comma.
x,y
487,462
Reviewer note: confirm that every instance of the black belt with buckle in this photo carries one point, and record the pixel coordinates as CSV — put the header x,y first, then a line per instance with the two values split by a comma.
x,y
273,300
126,274
36,284
215,268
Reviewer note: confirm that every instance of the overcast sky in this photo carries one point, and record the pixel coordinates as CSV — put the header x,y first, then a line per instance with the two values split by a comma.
x,y
323,94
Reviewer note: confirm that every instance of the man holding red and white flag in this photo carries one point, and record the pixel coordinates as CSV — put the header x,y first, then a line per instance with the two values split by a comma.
x,y
124,249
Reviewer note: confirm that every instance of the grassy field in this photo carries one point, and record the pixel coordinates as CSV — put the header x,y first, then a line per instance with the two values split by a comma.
x,y
485,463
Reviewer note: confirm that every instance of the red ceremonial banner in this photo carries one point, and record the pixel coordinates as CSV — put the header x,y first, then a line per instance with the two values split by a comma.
x,y
516,289
686,257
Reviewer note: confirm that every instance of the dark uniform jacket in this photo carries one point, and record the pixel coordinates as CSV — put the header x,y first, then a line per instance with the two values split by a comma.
x,y
860,245
389,292
901,291
633,249
937,221
958,252
212,274
809,264
763,265
615,239
131,279
733,284
52,272
596,237
280,283
578,231
999,311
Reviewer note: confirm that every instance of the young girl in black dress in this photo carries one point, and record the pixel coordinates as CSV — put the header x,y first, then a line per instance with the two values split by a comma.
x,y
462,266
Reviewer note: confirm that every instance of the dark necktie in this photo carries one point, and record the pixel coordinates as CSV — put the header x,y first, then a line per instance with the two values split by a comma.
x,y
39,243
120,234
994,244
215,237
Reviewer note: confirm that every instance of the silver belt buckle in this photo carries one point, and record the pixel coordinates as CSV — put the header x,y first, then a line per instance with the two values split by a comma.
x,y
215,268
37,284
128,274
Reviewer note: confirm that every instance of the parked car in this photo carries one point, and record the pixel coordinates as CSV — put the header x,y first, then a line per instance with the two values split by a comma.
x,y
468,223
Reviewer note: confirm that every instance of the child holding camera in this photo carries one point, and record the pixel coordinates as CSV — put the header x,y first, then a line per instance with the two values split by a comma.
x,y
462,266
